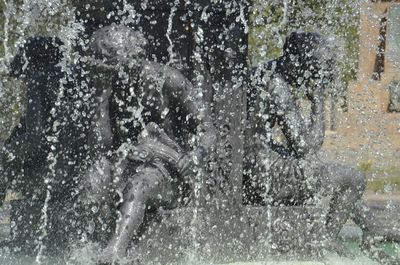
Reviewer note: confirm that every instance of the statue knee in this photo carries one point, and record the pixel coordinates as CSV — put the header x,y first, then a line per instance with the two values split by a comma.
x,y
145,184
360,180
357,180
347,178
99,179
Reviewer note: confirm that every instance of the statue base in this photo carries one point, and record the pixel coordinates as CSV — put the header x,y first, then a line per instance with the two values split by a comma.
x,y
223,236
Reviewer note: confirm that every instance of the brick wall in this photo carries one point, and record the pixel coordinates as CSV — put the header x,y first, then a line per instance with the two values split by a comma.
x,y
367,132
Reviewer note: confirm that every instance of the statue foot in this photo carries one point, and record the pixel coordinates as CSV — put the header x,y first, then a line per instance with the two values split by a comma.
x,y
107,257
339,248
382,234
370,248
110,257
392,235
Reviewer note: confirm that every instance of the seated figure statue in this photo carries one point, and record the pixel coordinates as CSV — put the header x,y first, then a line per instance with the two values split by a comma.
x,y
147,114
293,173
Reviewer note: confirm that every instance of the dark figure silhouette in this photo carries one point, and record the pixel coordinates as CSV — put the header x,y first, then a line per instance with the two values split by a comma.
x,y
24,154
46,149
27,147
292,173
148,114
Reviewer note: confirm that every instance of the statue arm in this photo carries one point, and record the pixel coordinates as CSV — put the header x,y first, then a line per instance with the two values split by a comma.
x,y
317,125
8,159
302,139
261,111
35,113
35,63
26,139
100,136
194,109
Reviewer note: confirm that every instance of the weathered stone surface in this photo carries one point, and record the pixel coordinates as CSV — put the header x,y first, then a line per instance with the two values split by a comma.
x,y
5,222
393,37
394,95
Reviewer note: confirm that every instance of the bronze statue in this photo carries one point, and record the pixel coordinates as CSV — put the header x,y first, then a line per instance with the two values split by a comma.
x,y
147,116
143,130
292,173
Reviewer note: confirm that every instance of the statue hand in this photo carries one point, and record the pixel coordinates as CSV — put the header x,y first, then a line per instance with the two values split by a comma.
x,y
188,163
316,93
3,193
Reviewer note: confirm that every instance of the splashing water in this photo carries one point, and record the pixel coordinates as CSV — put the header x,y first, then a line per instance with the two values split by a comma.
x,y
229,206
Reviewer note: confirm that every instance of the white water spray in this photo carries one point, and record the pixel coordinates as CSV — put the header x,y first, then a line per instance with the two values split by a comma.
x,y
169,31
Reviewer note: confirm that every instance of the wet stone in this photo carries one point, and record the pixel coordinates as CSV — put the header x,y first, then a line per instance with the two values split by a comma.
x,y
393,38
394,96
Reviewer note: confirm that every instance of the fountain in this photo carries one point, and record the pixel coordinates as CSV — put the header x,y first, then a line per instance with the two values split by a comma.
x,y
139,139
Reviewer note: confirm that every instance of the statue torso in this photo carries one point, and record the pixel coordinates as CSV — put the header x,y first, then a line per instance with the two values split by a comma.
x,y
139,101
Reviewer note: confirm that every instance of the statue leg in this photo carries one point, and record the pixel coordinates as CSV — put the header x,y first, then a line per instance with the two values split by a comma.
x,y
99,194
346,185
372,226
374,232
99,179
146,185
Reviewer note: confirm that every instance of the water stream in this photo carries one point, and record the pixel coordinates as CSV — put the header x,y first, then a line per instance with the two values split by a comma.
x,y
216,48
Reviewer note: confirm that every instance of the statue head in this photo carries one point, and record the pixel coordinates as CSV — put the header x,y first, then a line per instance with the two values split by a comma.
x,y
307,57
118,43
36,54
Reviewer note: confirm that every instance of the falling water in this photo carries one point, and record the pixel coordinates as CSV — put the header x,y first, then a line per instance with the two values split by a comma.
x,y
6,13
169,31
268,27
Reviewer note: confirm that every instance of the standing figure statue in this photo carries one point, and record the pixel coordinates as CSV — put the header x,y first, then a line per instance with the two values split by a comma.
x,y
25,151
148,113
292,173
47,129
36,64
